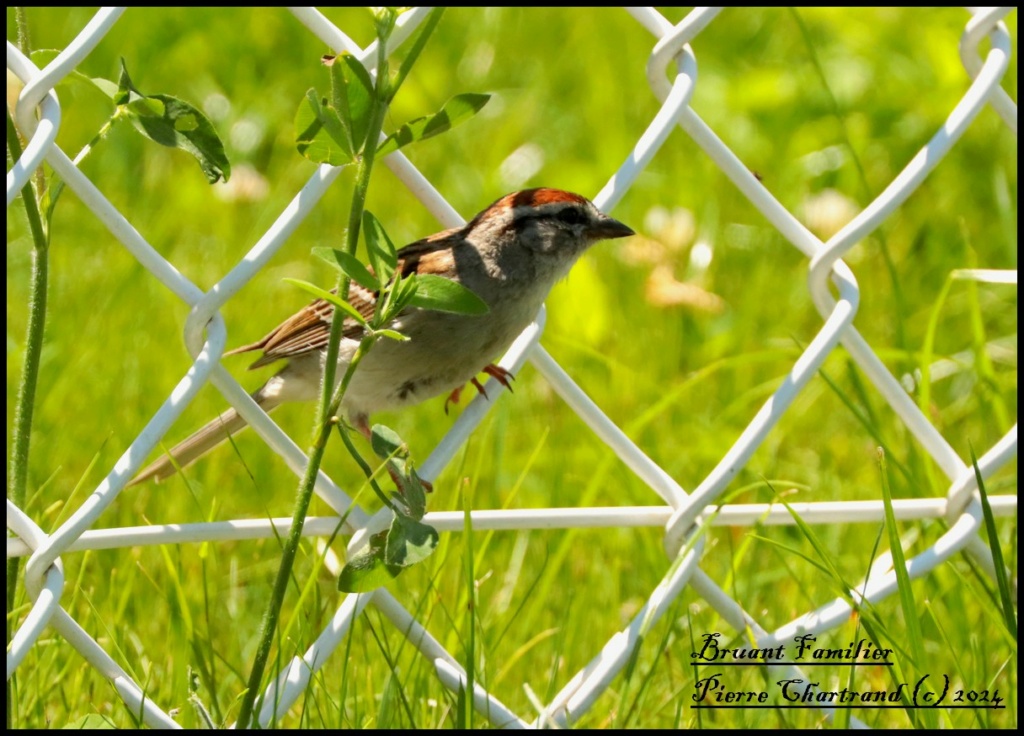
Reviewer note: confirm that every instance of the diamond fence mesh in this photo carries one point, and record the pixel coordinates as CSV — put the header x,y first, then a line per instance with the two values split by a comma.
x,y
671,71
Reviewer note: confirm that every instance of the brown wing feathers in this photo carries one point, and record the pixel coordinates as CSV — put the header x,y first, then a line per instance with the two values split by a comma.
x,y
309,329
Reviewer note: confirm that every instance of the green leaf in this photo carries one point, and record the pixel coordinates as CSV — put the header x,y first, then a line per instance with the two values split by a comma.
x,y
397,297
350,265
339,98
457,110
125,88
331,121
912,614
174,123
394,335
359,92
444,295
405,543
368,570
379,248
409,541
307,121
1006,598
386,442
388,445
147,107
407,291
414,493
329,297
319,133
383,312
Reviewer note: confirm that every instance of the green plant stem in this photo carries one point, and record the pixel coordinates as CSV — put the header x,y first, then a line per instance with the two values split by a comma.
x,y
25,46
329,406
288,552
21,432
56,187
24,40
363,465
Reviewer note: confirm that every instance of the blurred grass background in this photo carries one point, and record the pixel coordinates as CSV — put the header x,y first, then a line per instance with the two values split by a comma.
x,y
679,334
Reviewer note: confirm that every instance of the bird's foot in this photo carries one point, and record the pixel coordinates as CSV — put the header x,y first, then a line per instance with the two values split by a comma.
x,y
499,374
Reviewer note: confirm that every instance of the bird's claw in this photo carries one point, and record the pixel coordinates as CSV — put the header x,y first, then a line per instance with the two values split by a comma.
x,y
499,374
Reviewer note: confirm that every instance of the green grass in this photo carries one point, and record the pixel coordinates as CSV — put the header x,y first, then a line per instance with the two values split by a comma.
x,y
533,607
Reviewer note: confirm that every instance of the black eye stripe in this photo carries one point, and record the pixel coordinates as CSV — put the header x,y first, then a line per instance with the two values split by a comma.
x,y
568,215
572,216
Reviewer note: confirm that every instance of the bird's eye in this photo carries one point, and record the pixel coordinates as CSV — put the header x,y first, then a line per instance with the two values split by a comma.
x,y
572,216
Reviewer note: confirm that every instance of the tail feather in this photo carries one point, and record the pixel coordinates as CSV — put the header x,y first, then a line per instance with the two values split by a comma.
x,y
199,443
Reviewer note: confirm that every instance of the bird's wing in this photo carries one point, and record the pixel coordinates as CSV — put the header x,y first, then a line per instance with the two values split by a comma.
x,y
309,329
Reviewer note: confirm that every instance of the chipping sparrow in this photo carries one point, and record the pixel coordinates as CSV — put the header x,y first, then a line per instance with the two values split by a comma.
x,y
510,255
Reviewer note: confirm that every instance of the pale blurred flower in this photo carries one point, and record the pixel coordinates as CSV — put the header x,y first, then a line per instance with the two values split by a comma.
x,y
246,134
700,257
676,228
669,233
826,212
641,251
246,185
216,106
663,290
476,63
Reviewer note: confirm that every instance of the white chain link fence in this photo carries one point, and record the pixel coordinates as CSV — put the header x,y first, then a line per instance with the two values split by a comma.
x,y
39,117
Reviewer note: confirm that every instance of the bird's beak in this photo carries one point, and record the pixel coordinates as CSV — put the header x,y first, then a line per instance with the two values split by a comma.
x,y
607,228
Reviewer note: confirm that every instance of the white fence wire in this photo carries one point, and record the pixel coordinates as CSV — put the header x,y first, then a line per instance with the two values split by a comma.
x,y
38,118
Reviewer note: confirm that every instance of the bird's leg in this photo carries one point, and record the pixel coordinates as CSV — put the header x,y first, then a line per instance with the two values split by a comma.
x,y
453,398
498,373
362,424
